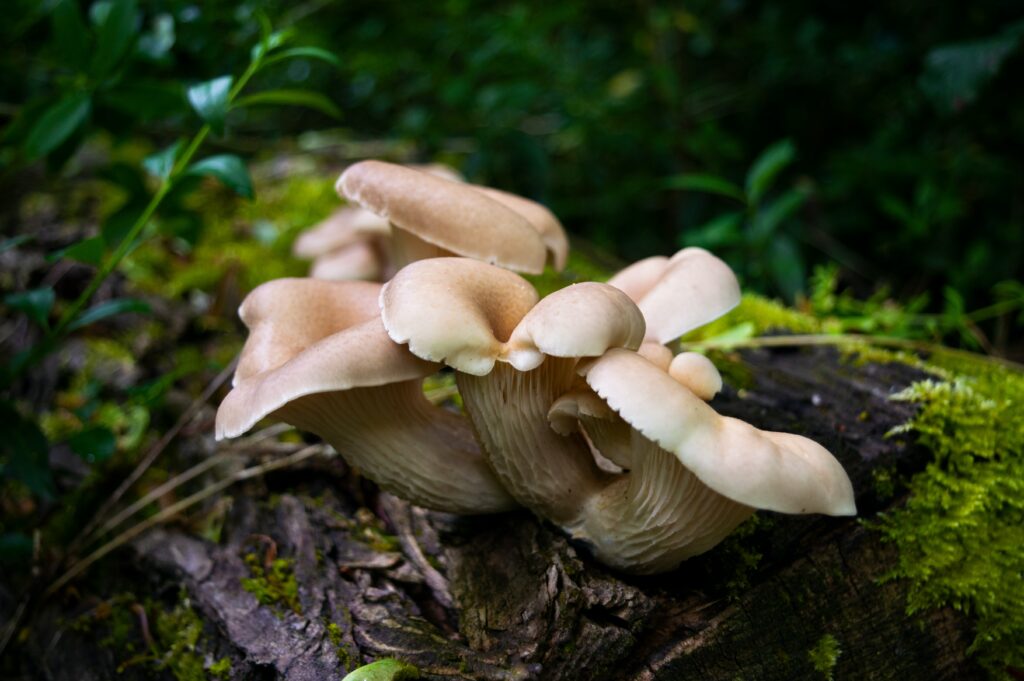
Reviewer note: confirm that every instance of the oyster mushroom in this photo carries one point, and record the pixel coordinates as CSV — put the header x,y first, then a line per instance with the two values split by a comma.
x,y
431,216
319,358
353,243
513,356
517,361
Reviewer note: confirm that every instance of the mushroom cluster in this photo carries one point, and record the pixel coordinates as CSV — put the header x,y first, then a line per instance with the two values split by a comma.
x,y
575,407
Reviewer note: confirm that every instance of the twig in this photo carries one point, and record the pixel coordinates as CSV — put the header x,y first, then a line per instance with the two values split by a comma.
x,y
175,508
797,340
151,456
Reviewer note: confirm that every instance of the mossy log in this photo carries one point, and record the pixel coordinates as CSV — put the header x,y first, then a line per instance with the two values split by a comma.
x,y
306,583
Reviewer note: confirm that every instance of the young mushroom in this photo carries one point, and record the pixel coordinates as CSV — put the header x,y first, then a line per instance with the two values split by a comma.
x,y
353,243
432,217
319,358
692,475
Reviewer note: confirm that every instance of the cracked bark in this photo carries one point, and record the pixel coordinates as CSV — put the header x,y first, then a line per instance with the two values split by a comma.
x,y
508,597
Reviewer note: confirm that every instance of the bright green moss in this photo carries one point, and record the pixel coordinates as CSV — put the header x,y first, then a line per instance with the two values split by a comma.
x,y
824,655
274,585
221,669
579,267
177,633
960,534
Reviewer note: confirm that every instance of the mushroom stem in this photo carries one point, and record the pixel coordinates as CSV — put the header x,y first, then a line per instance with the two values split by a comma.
x,y
657,515
406,247
430,458
551,474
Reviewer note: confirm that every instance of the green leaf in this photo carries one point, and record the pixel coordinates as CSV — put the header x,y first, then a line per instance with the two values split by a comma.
x,y
14,242
89,251
161,163
57,124
787,267
767,166
767,220
93,444
210,101
702,182
70,34
387,669
108,309
36,303
271,42
721,231
955,74
26,450
118,225
115,34
227,168
308,52
311,100
146,100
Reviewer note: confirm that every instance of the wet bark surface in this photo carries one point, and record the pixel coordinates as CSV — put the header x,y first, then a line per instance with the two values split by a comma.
x,y
509,597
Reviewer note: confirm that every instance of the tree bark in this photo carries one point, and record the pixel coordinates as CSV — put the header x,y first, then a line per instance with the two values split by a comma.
x,y
508,597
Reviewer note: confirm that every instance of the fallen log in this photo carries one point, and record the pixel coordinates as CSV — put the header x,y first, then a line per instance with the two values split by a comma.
x,y
314,574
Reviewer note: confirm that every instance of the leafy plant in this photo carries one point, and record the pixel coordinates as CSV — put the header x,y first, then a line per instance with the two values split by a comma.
x,y
97,60
761,240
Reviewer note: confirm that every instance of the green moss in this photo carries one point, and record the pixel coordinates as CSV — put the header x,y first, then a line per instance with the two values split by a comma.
x,y
275,586
961,531
579,267
221,669
371,530
177,633
824,655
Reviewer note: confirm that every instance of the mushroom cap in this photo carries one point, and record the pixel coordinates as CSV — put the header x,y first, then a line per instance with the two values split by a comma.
x,y
285,316
343,227
357,261
360,356
774,471
697,373
469,315
450,215
543,220
680,293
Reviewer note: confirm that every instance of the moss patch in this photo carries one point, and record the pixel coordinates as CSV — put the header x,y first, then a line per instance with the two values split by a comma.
x,y
960,534
824,655
275,585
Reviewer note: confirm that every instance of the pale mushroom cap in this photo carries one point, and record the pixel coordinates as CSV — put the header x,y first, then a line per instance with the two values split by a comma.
x,y
543,220
774,471
285,316
640,277
455,310
345,226
356,262
359,356
470,315
656,353
697,373
685,292
450,215
582,320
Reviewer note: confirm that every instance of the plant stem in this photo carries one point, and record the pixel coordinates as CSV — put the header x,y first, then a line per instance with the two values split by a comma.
x,y
797,340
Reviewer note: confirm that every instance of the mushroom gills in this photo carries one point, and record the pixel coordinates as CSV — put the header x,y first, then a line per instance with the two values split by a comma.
x,y
427,455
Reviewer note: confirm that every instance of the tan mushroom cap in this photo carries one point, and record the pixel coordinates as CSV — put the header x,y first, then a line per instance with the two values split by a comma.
x,y
344,227
356,262
774,471
680,293
543,220
469,315
697,373
318,357
282,321
449,215
361,356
